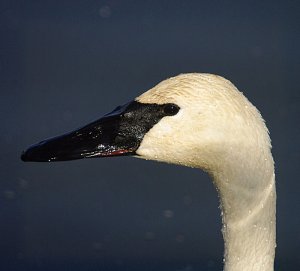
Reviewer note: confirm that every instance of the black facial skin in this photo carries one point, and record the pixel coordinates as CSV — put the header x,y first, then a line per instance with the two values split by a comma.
x,y
117,133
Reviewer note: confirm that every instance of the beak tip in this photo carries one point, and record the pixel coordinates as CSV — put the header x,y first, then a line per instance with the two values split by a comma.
x,y
31,155
24,156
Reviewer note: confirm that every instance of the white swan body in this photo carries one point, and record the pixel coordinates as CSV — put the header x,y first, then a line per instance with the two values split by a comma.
x,y
202,121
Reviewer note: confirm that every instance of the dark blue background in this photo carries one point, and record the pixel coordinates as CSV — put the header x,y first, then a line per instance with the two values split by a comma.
x,y
65,63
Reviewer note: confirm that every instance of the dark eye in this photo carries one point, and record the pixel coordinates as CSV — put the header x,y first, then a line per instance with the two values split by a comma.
x,y
171,109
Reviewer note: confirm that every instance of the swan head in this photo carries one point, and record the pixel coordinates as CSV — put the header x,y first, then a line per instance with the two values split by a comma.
x,y
214,119
191,119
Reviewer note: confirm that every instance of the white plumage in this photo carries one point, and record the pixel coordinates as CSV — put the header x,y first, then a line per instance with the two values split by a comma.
x,y
218,130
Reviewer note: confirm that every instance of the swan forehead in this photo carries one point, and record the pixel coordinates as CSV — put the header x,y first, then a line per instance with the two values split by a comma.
x,y
187,89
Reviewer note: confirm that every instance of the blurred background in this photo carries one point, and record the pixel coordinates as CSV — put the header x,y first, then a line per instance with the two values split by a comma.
x,y
66,63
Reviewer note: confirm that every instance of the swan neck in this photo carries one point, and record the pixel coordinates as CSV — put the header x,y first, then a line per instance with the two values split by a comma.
x,y
248,205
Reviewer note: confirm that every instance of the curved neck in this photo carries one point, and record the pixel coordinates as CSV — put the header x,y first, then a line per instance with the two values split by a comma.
x,y
248,203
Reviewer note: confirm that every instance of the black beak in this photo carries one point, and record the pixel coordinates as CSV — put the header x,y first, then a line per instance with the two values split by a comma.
x,y
117,133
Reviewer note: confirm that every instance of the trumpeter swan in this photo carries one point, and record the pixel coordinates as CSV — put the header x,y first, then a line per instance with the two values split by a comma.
x,y
202,121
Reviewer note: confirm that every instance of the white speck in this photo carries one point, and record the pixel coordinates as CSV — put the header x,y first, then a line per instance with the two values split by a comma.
x,y
187,200
20,256
9,194
119,262
23,183
100,146
180,238
105,12
168,213
98,246
149,235
256,51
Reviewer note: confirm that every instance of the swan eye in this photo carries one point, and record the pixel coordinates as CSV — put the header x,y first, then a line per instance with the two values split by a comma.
x,y
171,109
